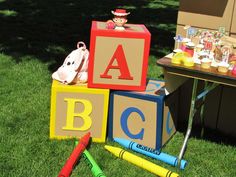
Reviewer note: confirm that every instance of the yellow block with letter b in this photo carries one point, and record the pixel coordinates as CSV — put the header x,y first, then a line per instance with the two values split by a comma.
x,y
76,110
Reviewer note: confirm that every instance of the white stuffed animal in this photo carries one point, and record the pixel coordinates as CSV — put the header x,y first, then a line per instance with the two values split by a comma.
x,y
75,67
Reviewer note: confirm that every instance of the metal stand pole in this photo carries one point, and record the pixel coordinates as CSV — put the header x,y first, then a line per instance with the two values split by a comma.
x,y
202,110
190,120
207,88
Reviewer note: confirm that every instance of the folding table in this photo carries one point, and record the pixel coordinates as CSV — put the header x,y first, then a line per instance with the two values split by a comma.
x,y
211,77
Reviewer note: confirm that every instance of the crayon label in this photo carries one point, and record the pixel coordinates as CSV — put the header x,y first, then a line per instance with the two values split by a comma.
x,y
90,165
147,149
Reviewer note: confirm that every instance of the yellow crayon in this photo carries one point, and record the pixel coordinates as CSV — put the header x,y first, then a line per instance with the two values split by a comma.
x,y
149,166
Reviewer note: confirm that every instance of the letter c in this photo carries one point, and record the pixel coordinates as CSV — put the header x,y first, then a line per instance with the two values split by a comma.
x,y
124,122
168,128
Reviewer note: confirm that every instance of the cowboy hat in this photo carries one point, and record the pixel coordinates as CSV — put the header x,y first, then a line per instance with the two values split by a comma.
x,y
120,12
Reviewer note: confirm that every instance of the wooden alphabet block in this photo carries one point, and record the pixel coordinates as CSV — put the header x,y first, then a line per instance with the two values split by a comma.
x,y
76,110
141,116
118,59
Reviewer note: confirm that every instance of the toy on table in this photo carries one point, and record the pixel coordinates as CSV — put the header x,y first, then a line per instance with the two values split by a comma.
x,y
120,18
223,67
226,50
75,67
208,43
188,61
177,58
206,48
151,167
232,59
234,70
178,38
218,53
199,48
206,63
71,162
184,43
183,57
190,48
232,62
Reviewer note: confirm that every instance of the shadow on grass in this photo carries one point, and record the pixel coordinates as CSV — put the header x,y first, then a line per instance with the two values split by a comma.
x,y
212,135
50,29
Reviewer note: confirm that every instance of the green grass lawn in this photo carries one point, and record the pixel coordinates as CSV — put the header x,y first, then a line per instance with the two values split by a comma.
x,y
26,149
35,36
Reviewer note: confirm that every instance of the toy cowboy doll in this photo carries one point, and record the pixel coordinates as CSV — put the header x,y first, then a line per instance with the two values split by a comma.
x,y
120,18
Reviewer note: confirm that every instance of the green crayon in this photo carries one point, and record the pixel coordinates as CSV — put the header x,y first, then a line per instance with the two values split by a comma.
x,y
96,170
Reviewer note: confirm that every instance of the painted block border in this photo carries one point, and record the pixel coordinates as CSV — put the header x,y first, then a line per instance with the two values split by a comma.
x,y
64,88
157,99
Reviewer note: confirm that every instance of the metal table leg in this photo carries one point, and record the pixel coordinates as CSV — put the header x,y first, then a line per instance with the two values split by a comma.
x,y
190,120
202,110
207,88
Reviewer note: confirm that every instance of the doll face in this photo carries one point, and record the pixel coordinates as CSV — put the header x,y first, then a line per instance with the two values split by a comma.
x,y
119,21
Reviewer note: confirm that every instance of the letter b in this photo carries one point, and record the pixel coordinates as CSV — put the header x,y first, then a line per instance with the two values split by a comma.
x,y
85,115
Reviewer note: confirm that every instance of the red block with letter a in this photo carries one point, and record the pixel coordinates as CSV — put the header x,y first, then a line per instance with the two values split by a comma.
x,y
118,58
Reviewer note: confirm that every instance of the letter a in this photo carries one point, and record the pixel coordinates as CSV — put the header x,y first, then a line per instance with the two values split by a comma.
x,y
119,56
84,115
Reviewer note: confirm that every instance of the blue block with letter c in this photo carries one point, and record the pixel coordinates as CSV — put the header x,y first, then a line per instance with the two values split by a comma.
x,y
141,116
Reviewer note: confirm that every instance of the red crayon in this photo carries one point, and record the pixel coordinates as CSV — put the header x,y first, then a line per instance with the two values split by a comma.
x,y
70,163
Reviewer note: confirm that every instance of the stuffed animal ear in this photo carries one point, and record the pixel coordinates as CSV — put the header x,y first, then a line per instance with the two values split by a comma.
x,y
78,58
81,45
86,60
81,56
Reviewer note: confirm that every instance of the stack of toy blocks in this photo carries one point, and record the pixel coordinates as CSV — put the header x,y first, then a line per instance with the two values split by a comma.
x,y
118,61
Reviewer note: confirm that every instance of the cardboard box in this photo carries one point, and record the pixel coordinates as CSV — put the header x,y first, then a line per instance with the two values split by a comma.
x,y
142,116
76,110
233,25
209,14
234,46
233,35
118,58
